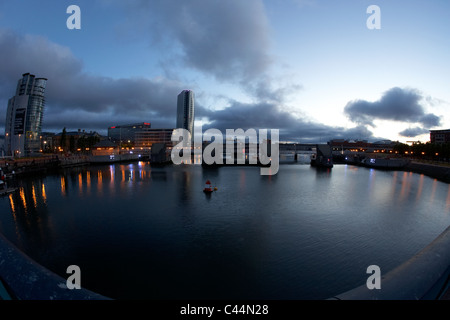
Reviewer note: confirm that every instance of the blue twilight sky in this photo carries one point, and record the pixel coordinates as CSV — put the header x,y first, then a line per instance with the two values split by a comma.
x,y
311,68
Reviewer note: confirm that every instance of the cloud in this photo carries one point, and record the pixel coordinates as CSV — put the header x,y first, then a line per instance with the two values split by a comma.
x,y
413,132
305,3
264,115
228,40
396,104
75,97
430,120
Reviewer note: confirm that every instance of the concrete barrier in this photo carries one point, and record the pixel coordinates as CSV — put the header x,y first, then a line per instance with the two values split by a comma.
x,y
424,277
24,279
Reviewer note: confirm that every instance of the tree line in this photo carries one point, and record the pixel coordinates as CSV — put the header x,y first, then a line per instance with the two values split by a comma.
x,y
427,151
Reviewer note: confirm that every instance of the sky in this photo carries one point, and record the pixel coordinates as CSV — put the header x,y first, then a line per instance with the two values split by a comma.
x,y
311,68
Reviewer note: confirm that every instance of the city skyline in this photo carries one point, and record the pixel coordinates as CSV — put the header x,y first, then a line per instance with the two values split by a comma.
x,y
312,69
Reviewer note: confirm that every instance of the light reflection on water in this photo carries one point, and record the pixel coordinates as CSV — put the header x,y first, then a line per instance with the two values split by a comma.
x,y
301,234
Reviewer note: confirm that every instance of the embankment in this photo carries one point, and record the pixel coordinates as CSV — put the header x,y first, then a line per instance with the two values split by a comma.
x,y
441,173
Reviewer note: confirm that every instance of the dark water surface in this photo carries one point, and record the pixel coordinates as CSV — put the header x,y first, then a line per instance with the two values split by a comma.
x,y
151,233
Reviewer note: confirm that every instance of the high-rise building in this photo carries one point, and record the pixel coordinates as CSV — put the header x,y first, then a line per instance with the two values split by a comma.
x,y
24,117
185,111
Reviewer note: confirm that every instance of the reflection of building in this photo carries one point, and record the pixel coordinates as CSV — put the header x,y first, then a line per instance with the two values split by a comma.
x,y
24,117
440,136
146,138
185,111
126,133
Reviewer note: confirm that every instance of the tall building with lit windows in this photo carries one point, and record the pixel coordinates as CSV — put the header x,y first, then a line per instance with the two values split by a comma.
x,y
24,117
185,111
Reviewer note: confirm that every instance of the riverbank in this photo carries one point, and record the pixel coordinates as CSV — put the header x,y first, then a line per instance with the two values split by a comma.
x,y
26,166
435,171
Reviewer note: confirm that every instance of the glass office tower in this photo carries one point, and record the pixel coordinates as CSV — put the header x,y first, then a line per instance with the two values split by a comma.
x,y
185,111
24,115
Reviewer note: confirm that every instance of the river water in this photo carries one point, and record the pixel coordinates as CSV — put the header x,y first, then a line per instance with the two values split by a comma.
x,y
142,232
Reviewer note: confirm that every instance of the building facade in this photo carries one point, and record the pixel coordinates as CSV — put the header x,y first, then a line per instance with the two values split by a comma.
x,y
73,141
146,138
126,133
24,117
440,136
185,111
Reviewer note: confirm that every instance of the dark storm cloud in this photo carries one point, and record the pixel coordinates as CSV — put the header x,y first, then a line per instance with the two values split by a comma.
x,y
77,97
228,40
430,120
413,132
397,104
269,116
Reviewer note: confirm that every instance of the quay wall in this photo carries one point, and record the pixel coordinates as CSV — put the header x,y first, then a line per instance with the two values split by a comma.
x,y
27,280
425,276
441,173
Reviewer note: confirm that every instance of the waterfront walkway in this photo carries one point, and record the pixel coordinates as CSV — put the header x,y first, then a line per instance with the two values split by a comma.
x,y
21,166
